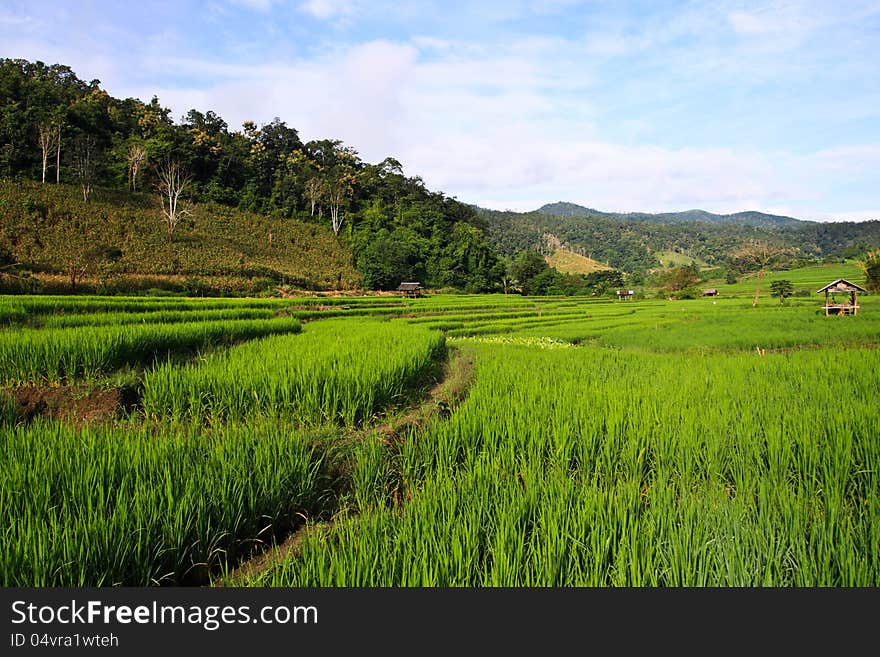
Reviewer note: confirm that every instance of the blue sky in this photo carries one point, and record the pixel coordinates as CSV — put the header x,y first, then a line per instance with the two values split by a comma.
x,y
621,106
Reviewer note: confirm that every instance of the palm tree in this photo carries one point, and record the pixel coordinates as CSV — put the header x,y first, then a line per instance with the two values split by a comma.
x,y
870,266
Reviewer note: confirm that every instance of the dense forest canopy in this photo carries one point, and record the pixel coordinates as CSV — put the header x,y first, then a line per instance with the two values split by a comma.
x,y
633,244
57,128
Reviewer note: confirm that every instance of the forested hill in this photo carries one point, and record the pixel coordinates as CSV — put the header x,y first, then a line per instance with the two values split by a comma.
x,y
633,245
116,242
59,130
749,218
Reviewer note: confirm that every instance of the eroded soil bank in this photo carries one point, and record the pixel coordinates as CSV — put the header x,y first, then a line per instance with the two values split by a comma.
x,y
78,404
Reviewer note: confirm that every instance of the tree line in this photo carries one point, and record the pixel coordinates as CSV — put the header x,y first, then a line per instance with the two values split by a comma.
x,y
59,129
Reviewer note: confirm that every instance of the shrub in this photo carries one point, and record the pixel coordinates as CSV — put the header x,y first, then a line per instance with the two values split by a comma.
x,y
688,293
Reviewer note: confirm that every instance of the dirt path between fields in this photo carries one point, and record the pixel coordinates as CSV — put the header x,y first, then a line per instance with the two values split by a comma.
x,y
438,404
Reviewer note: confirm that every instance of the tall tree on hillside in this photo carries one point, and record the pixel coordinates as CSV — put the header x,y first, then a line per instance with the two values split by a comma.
x,y
172,183
338,190
135,158
85,163
58,153
758,255
341,178
315,191
269,146
47,137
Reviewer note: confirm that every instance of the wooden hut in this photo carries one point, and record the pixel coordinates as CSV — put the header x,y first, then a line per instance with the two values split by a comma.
x,y
711,292
625,295
848,305
410,289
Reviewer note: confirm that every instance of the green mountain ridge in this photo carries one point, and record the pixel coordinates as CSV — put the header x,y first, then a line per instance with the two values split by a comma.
x,y
632,243
748,217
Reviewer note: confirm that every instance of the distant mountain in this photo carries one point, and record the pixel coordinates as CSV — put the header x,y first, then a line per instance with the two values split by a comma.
x,y
638,242
748,218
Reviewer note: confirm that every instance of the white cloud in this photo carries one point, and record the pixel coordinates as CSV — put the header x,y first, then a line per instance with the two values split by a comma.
x,y
352,94
606,44
750,24
795,20
256,5
428,43
598,174
860,158
326,9
17,21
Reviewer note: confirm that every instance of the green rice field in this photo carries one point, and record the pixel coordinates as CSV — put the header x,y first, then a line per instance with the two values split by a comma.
x,y
469,441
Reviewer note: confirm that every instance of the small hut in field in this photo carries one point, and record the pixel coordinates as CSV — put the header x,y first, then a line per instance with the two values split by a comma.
x,y
411,290
625,295
841,297
711,292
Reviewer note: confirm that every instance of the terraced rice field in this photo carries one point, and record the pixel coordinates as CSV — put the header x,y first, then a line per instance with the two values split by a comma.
x,y
454,440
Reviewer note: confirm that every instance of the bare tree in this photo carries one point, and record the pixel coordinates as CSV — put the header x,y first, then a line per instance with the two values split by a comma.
x,y
336,196
759,255
171,184
78,238
58,153
337,193
84,258
85,157
135,158
315,190
48,135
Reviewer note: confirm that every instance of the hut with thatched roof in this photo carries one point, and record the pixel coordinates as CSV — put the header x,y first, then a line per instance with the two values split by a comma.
x,y
841,297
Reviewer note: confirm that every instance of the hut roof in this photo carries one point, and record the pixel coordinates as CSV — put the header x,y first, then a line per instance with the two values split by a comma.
x,y
842,285
710,290
407,287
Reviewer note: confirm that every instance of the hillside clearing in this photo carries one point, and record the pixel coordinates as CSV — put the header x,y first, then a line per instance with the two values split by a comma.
x,y
569,262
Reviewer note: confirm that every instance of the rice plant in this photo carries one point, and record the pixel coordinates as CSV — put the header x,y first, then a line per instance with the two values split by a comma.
x,y
36,355
156,317
596,467
335,371
105,506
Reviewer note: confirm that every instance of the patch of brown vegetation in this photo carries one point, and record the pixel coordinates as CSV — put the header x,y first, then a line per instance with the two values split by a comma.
x,y
317,307
73,403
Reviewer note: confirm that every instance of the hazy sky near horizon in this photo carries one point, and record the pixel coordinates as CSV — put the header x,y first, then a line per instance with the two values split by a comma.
x,y
621,106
